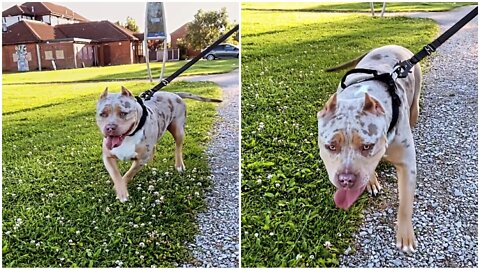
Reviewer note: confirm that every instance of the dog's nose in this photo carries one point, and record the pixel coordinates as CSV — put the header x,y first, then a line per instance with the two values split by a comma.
x,y
110,128
347,180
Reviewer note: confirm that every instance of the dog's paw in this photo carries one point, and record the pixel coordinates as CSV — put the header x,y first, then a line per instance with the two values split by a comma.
x,y
406,241
373,185
180,168
122,194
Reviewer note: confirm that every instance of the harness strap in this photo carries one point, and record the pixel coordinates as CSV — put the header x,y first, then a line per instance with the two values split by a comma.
x,y
143,118
404,67
385,78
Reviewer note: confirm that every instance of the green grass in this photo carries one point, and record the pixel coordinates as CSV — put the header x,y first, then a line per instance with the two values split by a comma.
x,y
356,6
122,72
59,206
288,213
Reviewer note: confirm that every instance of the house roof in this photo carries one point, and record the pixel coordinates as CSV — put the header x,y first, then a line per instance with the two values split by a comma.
x,y
42,8
29,31
104,31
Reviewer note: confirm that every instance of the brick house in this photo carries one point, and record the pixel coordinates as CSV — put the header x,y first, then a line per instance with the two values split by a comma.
x,y
49,13
181,33
37,45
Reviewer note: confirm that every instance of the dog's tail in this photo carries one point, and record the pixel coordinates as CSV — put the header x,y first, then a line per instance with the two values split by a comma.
x,y
195,97
350,64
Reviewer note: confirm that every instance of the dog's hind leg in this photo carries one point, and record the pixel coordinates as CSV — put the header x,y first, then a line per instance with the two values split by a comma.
x,y
177,129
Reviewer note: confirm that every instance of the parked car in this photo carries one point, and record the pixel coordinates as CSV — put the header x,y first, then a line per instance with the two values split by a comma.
x,y
223,50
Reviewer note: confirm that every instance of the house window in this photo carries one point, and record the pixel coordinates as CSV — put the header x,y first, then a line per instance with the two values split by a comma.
x,y
48,55
59,54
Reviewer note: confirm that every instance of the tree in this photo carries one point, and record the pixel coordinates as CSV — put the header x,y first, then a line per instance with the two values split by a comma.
x,y
130,24
206,27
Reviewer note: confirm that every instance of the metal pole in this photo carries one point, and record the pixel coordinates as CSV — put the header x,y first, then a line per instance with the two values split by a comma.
x,y
383,8
165,45
145,45
372,8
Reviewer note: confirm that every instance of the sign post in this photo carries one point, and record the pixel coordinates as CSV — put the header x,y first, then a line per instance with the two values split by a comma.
x,y
155,29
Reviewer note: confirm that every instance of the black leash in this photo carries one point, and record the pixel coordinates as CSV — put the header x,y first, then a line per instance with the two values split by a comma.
x,y
149,93
403,68
385,78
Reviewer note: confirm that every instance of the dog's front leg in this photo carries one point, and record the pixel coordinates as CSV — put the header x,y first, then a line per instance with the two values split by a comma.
x,y
118,183
402,155
134,169
406,174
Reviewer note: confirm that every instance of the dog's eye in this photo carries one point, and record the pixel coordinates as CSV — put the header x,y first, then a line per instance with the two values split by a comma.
x,y
367,147
331,147
123,114
103,114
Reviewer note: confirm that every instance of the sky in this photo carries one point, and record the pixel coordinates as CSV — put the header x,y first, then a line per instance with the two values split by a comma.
x,y
176,13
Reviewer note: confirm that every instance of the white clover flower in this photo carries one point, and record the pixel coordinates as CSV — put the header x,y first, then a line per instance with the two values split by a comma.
x,y
142,245
271,234
77,232
256,234
327,244
312,257
150,188
269,176
298,257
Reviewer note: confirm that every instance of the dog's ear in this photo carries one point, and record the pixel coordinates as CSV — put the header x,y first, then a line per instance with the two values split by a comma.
x,y
126,92
329,108
372,105
105,93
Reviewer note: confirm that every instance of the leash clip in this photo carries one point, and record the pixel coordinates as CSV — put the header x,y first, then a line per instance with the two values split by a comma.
x,y
402,69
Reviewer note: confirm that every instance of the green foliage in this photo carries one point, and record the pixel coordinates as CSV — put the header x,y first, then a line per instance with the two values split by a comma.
x,y
206,27
129,24
288,215
59,207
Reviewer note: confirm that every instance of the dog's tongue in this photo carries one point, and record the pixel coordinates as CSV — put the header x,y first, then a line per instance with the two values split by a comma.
x,y
344,198
113,141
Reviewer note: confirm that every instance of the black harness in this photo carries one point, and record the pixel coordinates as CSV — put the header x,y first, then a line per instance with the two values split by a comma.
x,y
385,78
143,118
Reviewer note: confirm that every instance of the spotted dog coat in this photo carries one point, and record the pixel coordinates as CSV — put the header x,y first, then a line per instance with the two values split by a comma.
x,y
353,137
118,116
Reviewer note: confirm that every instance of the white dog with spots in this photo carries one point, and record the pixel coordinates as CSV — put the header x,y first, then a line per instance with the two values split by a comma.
x,y
353,135
129,137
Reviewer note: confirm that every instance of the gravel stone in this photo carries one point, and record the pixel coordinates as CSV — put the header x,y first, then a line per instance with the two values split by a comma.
x,y
445,215
217,245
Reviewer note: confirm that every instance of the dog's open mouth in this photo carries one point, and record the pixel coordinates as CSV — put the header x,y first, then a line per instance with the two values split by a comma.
x,y
345,197
114,141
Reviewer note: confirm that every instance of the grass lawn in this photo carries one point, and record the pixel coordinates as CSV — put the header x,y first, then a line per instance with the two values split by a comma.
x,y
288,214
59,206
356,6
123,72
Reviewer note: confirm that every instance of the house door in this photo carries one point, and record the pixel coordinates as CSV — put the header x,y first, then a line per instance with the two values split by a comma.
x,y
106,55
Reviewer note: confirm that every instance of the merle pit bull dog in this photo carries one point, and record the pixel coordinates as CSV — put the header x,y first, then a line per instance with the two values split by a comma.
x,y
357,127
131,130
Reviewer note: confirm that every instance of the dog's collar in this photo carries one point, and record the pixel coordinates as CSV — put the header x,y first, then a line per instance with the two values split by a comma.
x,y
143,118
387,79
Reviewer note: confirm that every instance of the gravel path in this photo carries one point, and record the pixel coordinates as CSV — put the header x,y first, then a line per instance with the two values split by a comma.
x,y
445,210
217,245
